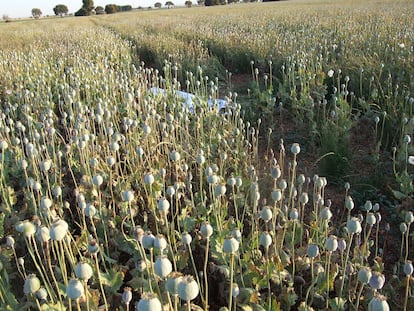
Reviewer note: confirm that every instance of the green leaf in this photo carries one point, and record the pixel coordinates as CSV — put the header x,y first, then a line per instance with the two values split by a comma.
x,y
113,279
398,195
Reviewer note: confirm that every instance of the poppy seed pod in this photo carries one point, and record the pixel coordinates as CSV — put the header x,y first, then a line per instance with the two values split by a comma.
x,y
162,266
206,230
364,275
354,226
58,229
41,293
265,240
295,148
127,295
331,243
186,238
83,271
266,213
276,195
230,245
371,219
75,289
160,242
326,213
408,268
31,284
312,250
294,214
163,205
231,181
409,217
97,180
304,198
175,156
187,288
149,179
342,245
378,303
148,240
43,234
349,203
149,302
128,196
377,280
172,283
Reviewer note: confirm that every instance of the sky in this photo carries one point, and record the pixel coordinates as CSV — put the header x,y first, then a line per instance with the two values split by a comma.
x,y
23,8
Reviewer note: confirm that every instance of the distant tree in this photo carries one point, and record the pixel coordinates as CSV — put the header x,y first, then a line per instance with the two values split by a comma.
x,y
6,18
188,4
86,8
36,13
124,8
200,2
211,2
82,12
169,4
157,5
60,10
99,10
88,5
111,8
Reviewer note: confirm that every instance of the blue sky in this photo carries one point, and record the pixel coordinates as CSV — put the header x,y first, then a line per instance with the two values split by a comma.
x,y
23,8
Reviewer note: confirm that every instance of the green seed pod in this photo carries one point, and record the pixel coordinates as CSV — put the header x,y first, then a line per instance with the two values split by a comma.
x,y
175,156
304,198
149,180
75,289
31,284
276,195
408,268
97,180
266,213
187,288
172,283
364,275
219,190
163,205
127,295
160,242
378,303
294,214
43,234
206,230
371,219
148,240
58,229
295,148
313,250
403,227
349,203
331,243
265,240
149,302
41,293
162,266
326,213
353,225
409,217
186,238
128,196
377,280
230,245
83,271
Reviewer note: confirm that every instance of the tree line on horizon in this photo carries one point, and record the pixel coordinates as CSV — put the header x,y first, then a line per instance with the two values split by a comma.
x,y
88,7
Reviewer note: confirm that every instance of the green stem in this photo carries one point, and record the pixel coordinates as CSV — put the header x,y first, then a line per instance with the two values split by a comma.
x,y
231,280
